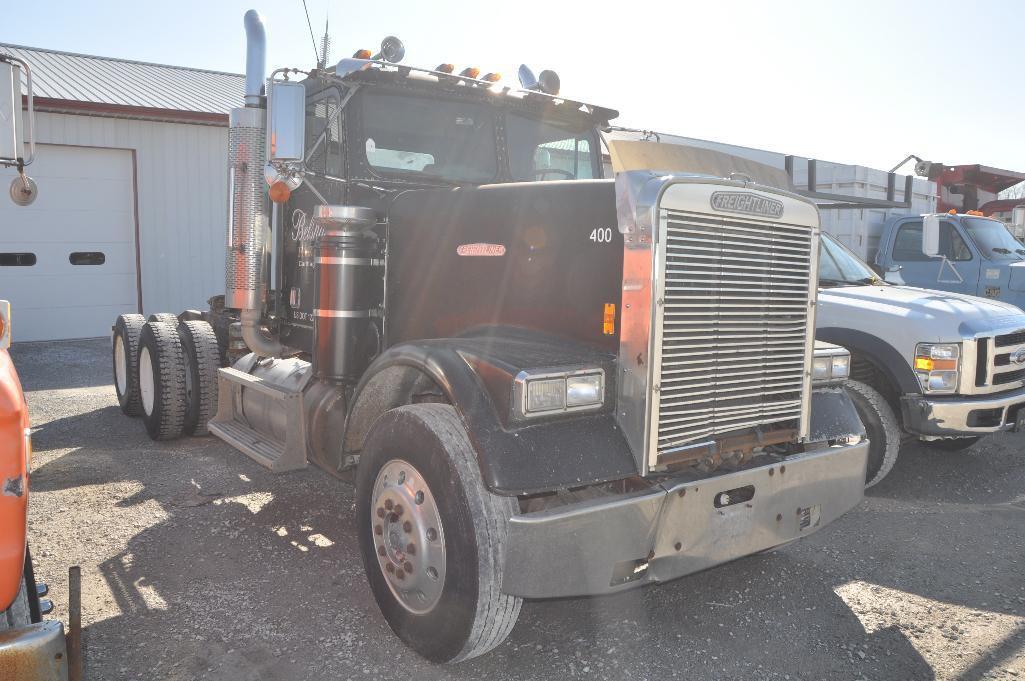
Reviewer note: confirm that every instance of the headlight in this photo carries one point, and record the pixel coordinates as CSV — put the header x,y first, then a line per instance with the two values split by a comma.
x,y
938,366
830,363
548,392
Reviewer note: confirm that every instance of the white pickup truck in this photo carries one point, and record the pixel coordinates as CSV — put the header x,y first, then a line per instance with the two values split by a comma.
x,y
945,368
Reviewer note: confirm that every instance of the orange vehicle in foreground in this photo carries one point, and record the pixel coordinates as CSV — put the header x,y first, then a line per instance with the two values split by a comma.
x,y
30,648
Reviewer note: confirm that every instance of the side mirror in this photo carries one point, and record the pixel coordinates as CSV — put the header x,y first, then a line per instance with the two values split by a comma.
x,y
931,236
1018,216
12,144
286,122
12,136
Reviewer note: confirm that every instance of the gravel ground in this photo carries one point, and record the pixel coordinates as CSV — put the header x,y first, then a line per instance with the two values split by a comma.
x,y
199,564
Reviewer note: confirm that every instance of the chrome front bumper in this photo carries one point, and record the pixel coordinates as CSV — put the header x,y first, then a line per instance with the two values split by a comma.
x,y
677,528
34,653
961,416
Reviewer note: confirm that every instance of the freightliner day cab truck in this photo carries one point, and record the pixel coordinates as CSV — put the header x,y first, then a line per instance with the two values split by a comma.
x,y
544,384
943,368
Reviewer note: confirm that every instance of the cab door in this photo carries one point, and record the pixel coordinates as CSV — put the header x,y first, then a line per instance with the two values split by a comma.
x,y
959,273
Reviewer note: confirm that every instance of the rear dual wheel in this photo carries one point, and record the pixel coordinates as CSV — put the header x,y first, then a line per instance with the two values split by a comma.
x,y
162,380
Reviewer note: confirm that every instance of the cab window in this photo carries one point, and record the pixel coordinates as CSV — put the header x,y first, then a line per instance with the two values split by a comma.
x,y
548,150
907,245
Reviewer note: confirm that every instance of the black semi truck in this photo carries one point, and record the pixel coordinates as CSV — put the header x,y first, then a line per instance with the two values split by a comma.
x,y
542,382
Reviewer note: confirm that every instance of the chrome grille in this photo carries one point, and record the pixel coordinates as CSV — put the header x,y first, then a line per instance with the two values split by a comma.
x,y
1004,372
733,324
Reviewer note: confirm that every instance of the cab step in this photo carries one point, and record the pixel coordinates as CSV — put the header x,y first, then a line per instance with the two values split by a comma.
x,y
231,424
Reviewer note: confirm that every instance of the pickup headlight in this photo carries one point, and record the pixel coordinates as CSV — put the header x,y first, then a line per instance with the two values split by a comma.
x,y
938,366
550,392
830,363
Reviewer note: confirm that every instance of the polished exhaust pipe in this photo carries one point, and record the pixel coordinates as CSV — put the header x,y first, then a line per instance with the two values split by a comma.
x,y
248,220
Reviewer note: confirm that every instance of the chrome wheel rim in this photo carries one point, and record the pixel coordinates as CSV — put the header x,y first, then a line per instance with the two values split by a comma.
x,y
120,365
146,390
409,540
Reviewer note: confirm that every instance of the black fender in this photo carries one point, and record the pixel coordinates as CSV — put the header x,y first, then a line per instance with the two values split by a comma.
x,y
475,375
884,356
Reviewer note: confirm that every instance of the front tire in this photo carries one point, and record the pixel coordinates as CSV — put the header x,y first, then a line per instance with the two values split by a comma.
x,y
881,427
162,381
418,469
125,357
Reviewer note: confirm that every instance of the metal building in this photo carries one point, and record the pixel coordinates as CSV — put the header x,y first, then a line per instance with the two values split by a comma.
x,y
130,164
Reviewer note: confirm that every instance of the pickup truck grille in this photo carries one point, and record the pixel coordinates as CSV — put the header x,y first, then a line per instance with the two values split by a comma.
x,y
733,326
1005,373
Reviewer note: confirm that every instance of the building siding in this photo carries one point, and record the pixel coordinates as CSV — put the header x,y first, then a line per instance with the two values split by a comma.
x,y
181,182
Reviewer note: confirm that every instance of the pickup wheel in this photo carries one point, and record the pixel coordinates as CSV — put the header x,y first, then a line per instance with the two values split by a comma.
x,y
125,356
432,536
955,445
202,359
162,381
882,429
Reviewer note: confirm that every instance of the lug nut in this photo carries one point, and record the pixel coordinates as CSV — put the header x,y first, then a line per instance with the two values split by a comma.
x,y
380,512
378,530
432,534
393,517
389,567
407,527
381,551
400,574
398,509
388,504
408,567
411,549
419,498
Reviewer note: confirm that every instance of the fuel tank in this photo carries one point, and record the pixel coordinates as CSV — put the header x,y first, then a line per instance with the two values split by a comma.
x,y
545,256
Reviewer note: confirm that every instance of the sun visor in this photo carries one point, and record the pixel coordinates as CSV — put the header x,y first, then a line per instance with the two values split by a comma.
x,y
667,158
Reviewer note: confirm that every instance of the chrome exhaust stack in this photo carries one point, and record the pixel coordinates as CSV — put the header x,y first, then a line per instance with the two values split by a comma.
x,y
248,220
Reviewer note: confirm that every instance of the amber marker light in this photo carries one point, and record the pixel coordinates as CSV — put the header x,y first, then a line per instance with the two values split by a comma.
x,y
279,192
445,68
470,72
362,54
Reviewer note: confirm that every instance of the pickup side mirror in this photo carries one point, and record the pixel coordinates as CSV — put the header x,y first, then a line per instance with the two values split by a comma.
x,y
286,122
931,236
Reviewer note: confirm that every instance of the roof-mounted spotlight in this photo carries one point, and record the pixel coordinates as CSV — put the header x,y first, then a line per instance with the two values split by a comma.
x,y
392,50
547,82
445,68
470,72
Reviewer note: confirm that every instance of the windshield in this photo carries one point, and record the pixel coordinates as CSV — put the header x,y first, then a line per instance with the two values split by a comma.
x,y
546,150
427,138
993,239
839,267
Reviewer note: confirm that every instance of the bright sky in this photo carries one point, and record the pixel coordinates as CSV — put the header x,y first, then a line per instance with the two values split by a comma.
x,y
862,81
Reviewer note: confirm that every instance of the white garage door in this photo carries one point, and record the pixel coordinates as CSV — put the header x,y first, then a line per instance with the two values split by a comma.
x,y
67,262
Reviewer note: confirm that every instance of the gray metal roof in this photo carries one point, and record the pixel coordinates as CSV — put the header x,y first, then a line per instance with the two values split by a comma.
x,y
121,82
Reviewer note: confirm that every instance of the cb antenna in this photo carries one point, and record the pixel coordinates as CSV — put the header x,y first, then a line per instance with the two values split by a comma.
x,y
325,47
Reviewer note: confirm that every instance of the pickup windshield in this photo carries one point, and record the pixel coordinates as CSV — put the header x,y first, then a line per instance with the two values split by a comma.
x,y
839,267
993,239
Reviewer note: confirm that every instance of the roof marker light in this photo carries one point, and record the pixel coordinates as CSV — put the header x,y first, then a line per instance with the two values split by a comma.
x,y
362,54
492,77
470,72
445,68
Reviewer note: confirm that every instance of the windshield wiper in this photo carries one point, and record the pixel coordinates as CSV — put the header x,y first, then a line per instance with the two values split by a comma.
x,y
826,281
